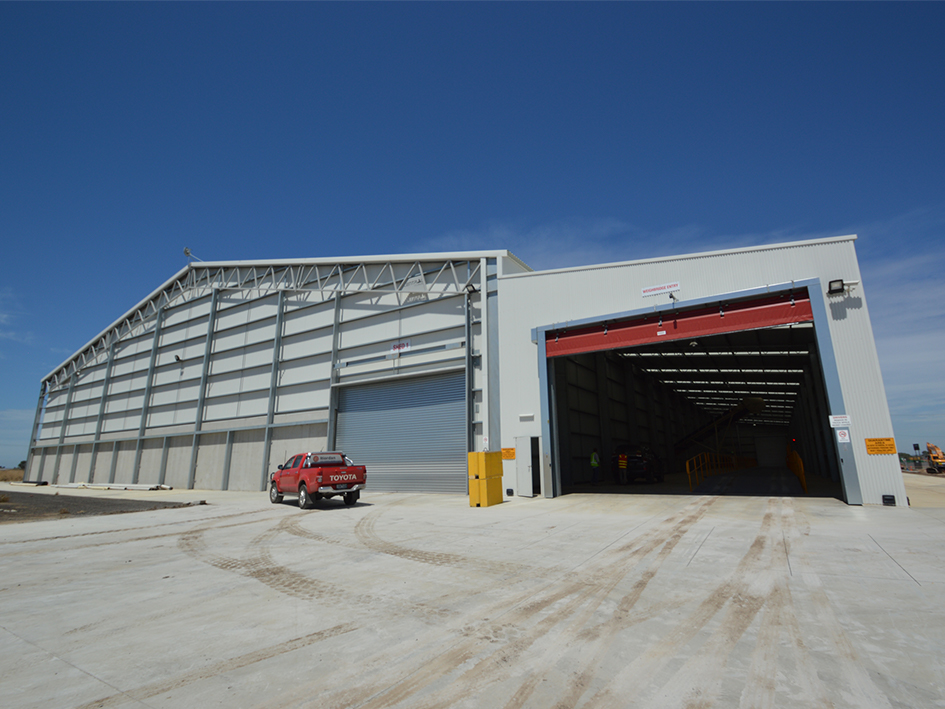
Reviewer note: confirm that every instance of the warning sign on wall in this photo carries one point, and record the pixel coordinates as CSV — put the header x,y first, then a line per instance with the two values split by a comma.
x,y
508,454
881,446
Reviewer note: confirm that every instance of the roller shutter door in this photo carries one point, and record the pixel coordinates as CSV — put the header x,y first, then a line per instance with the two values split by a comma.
x,y
410,433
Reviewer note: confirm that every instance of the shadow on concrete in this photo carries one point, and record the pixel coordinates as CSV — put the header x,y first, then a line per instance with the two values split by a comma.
x,y
755,482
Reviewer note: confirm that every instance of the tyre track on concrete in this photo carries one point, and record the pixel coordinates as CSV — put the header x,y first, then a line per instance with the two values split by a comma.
x,y
260,566
617,563
550,610
367,535
139,694
641,671
698,682
779,621
618,622
124,540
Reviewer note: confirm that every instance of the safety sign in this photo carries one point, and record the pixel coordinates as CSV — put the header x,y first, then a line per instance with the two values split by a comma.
x,y
843,435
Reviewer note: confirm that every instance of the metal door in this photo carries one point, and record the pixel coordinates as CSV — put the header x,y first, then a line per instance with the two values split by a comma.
x,y
410,433
523,466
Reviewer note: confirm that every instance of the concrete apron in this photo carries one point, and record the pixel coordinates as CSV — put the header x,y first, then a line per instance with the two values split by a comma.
x,y
420,600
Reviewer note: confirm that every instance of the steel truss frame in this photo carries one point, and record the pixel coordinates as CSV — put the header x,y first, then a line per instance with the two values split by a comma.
x,y
429,278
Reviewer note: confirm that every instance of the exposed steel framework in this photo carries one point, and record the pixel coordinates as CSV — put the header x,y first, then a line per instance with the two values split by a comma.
x,y
754,314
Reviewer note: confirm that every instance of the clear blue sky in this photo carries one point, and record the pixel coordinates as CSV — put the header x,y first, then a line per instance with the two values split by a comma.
x,y
568,133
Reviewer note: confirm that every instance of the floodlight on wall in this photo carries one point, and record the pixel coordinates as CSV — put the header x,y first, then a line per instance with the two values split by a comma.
x,y
470,288
835,287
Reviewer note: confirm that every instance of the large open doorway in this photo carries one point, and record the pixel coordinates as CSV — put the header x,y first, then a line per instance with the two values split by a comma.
x,y
735,390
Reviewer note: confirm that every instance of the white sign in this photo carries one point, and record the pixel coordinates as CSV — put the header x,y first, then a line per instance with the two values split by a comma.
x,y
843,435
840,421
400,347
657,290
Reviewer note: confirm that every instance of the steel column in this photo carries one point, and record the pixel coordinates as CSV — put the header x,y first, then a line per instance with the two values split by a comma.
x,y
331,434
202,395
111,473
470,426
75,461
273,387
101,408
226,460
484,351
65,423
164,449
155,345
604,408
35,430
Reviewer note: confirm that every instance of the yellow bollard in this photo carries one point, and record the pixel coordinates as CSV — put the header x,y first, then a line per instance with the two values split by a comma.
x,y
485,478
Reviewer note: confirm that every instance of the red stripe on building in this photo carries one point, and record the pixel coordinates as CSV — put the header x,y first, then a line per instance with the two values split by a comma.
x,y
710,320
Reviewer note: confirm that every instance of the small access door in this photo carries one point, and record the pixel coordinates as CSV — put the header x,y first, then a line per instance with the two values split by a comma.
x,y
527,467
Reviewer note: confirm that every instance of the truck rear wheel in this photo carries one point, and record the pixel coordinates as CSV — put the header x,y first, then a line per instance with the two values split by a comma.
x,y
305,502
274,496
352,497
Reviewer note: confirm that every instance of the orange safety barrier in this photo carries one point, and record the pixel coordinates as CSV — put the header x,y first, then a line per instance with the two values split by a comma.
x,y
796,466
705,464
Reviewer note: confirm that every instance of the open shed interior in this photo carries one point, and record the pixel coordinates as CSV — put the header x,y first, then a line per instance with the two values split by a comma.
x,y
746,398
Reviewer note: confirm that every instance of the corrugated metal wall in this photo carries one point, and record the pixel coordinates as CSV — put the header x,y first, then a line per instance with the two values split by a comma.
x,y
410,433
558,297
259,350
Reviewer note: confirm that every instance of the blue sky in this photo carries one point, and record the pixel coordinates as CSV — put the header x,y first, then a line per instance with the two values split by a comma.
x,y
568,133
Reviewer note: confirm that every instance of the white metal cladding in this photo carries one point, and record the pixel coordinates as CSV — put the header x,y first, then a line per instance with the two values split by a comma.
x,y
411,433
227,365
558,297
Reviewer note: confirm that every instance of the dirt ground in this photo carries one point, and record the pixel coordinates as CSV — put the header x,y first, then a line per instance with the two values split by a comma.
x,y
16,506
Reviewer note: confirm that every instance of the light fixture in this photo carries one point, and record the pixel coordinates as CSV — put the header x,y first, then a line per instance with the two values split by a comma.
x,y
177,358
835,287
470,288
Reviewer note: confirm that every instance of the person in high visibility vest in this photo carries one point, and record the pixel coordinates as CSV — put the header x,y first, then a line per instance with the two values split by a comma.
x,y
622,468
595,466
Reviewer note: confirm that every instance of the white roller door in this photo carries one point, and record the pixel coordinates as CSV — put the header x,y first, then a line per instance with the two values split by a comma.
x,y
410,433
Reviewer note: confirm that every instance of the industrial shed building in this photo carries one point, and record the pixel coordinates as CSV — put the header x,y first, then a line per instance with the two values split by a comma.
x,y
409,362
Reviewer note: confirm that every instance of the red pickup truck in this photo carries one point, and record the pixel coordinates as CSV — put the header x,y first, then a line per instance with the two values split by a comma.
x,y
313,476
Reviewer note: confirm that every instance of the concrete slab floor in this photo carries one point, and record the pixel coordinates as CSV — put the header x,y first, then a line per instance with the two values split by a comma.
x,y
420,601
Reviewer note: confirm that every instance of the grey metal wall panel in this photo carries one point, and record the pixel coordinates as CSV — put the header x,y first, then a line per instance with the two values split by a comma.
x,y
65,464
302,397
211,453
410,433
172,414
124,469
308,369
178,461
103,463
150,464
365,306
82,465
244,461
32,472
289,440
